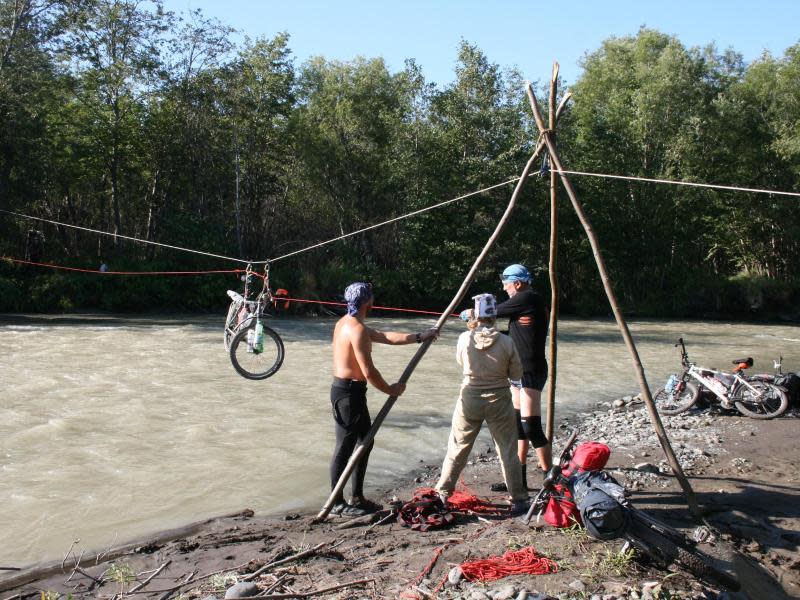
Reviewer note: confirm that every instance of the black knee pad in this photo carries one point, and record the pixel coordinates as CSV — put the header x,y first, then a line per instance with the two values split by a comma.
x,y
520,432
532,426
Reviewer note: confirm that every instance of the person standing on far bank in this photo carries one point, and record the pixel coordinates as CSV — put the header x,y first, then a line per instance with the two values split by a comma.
x,y
352,369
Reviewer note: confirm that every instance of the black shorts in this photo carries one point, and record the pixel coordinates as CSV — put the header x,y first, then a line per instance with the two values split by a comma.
x,y
349,404
530,380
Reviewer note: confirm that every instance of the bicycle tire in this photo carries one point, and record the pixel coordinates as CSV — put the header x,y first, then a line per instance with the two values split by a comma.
x,y
774,405
675,404
252,365
669,547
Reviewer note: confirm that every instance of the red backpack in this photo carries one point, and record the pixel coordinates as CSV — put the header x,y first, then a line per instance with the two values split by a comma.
x,y
561,510
589,456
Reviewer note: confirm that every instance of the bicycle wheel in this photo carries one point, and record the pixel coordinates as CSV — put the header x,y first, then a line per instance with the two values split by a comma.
x,y
682,398
769,400
256,365
669,547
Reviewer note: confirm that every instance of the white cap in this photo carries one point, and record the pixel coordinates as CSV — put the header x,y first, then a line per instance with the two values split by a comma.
x,y
485,306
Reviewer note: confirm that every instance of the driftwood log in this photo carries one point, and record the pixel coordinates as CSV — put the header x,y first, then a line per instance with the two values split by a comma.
x,y
42,571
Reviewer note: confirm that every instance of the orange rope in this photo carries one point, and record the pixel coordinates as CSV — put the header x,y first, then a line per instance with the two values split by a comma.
x,y
512,562
278,298
408,310
97,272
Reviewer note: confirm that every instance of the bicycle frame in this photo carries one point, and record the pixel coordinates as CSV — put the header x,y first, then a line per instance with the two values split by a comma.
x,y
242,311
706,377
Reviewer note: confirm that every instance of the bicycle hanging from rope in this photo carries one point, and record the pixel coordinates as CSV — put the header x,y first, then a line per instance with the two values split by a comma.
x,y
256,350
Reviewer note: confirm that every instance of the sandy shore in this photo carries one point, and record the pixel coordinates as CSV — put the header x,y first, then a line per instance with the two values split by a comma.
x,y
745,474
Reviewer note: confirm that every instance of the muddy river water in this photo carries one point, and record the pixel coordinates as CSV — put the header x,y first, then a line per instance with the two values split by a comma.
x,y
113,427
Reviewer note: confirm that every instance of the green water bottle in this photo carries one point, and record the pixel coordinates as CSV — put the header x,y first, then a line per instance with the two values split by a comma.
x,y
258,342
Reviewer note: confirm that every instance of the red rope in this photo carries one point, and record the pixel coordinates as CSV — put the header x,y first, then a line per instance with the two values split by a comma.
x,y
408,310
513,562
279,298
464,502
96,272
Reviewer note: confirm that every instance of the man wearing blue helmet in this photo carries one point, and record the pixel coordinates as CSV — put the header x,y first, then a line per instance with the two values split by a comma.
x,y
527,327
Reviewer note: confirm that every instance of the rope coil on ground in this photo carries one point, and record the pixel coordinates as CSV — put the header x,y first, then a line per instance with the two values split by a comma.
x,y
513,562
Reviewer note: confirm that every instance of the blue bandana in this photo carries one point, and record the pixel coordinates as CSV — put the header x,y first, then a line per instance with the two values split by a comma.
x,y
357,294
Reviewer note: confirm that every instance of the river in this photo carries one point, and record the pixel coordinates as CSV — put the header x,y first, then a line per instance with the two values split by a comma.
x,y
112,427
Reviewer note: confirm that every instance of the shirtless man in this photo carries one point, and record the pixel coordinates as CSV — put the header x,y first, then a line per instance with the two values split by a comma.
x,y
352,369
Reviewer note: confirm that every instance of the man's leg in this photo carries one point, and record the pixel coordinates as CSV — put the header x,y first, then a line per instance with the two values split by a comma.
x,y
464,430
362,427
346,437
531,412
522,439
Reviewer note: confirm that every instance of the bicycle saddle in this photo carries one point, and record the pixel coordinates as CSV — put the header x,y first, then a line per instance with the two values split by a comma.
x,y
746,362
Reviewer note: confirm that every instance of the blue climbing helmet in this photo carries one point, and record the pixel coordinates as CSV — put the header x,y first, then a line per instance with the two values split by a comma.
x,y
516,273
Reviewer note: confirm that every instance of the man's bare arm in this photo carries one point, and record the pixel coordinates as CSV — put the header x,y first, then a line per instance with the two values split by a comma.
x,y
361,350
395,338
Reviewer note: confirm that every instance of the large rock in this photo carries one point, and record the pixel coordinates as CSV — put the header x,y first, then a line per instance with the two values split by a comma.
x,y
647,468
245,589
505,593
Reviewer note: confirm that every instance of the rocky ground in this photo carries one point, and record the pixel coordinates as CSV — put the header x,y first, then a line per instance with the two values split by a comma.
x,y
744,472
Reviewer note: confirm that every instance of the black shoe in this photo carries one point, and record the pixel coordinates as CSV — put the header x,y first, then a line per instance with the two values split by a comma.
x,y
337,509
368,506
520,507
353,511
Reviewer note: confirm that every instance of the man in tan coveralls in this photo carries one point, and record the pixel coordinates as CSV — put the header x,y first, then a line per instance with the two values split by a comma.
x,y
488,359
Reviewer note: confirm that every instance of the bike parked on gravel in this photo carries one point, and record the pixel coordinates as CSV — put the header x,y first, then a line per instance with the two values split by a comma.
x,y
256,351
751,396
602,506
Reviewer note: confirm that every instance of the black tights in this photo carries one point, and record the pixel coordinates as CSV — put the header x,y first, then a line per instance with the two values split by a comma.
x,y
352,421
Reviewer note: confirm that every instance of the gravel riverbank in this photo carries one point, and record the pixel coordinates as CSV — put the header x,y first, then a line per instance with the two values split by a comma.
x,y
743,471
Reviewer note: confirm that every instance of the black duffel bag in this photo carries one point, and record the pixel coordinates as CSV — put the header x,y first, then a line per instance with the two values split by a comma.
x,y
791,383
599,496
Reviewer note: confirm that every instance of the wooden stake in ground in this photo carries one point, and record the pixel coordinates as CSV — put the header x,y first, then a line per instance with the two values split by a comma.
x,y
612,300
553,271
387,406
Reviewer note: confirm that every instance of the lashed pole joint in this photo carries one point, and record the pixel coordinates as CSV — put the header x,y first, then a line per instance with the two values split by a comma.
x,y
546,136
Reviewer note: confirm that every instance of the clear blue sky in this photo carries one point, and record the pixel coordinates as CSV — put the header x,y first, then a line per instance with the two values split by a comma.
x,y
526,34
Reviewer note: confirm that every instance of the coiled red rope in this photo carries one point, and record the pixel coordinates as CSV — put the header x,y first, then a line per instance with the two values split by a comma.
x,y
466,502
513,562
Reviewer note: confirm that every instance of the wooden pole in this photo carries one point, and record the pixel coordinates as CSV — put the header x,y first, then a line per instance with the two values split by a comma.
x,y
387,406
612,299
553,271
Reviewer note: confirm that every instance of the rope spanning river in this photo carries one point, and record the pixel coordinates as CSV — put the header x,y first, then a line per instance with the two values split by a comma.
x,y
114,427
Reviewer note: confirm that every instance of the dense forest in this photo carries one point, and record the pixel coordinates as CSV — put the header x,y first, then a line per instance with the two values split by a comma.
x,y
120,116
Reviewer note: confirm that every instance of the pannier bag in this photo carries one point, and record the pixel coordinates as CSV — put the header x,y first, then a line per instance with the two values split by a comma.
x,y
561,510
598,497
589,456
791,383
